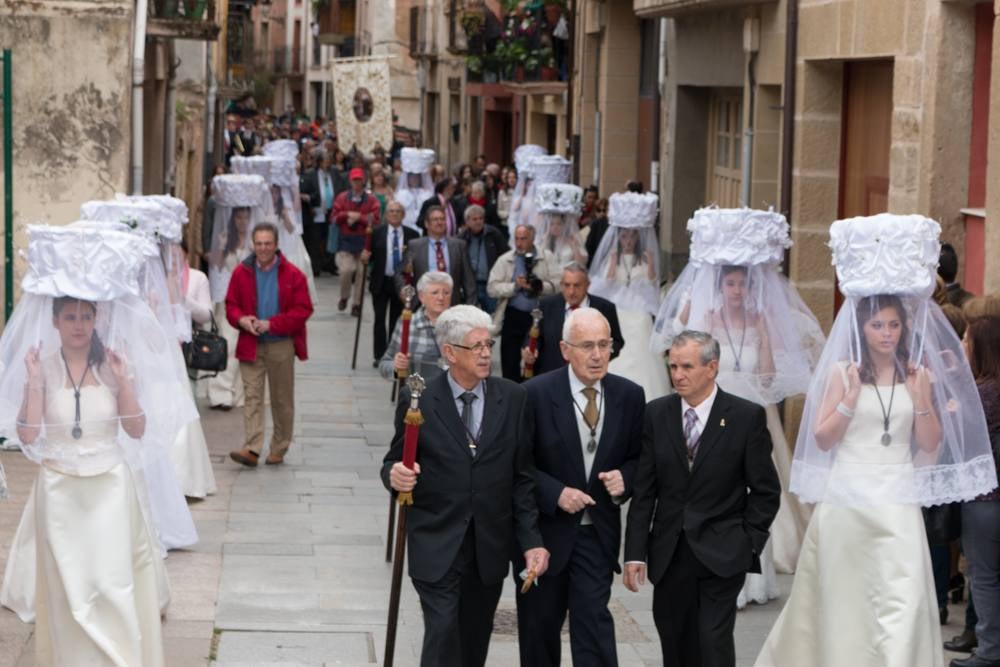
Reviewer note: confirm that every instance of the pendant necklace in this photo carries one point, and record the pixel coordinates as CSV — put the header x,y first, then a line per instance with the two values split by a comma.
x,y
592,442
738,356
77,432
886,438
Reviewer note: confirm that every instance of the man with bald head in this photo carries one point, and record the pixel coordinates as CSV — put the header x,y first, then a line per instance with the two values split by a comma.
x,y
585,428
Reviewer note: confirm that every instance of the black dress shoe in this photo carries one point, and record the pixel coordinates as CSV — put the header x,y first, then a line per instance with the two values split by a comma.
x,y
943,615
962,643
974,661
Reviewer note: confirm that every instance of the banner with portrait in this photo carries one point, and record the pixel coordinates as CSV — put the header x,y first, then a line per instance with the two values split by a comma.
x,y
363,103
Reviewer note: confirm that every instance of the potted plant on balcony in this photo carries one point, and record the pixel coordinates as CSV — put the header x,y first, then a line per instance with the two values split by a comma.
x,y
547,69
194,10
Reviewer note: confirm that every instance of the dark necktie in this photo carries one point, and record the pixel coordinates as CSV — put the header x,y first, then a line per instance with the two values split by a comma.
x,y
395,249
439,252
468,419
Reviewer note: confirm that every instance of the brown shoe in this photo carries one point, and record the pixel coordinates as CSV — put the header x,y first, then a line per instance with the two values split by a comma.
x,y
274,459
342,304
245,456
355,311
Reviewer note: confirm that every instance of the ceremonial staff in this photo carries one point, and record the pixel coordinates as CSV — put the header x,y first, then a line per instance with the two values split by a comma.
x,y
412,420
406,295
536,318
407,298
361,300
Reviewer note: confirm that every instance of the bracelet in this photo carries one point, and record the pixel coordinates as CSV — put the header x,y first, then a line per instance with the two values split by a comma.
x,y
844,410
921,413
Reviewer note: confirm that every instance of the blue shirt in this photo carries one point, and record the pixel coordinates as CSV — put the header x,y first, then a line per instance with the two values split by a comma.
x,y
432,262
477,405
267,295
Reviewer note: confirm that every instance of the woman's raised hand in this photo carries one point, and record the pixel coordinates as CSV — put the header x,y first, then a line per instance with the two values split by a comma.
x,y
33,365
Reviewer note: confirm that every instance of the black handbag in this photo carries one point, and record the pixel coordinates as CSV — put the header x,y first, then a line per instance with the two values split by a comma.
x,y
207,351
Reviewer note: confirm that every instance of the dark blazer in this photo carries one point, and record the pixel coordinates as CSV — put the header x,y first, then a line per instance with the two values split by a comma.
x,y
550,333
380,253
559,460
495,490
309,185
495,240
724,503
434,200
464,290
598,227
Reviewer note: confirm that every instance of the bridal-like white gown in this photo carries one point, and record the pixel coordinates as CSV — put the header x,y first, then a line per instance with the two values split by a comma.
x,y
863,594
636,362
96,560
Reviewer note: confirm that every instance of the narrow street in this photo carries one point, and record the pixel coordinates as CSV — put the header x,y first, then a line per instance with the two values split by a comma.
x,y
290,568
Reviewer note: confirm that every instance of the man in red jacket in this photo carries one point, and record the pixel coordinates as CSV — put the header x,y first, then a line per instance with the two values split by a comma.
x,y
268,301
352,211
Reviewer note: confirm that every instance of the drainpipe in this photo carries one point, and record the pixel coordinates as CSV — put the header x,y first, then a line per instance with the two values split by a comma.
x,y
138,76
170,126
747,171
213,88
788,110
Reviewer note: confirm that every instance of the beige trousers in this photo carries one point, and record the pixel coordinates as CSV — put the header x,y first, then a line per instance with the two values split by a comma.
x,y
350,267
276,363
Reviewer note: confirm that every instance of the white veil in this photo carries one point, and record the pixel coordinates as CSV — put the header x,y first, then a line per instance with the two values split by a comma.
x,y
237,196
416,162
886,264
523,157
745,246
626,266
557,229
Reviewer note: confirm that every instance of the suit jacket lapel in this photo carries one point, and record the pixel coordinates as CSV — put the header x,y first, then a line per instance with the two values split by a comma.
x,y
565,416
675,429
493,414
447,413
713,430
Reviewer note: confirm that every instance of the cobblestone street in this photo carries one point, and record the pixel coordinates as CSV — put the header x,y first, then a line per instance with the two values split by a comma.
x,y
290,568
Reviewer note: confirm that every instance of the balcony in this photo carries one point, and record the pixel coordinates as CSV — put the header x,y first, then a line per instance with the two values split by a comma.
x,y
279,62
183,19
658,8
336,19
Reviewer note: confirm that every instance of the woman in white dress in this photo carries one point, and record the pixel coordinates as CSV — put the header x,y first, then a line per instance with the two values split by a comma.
x,y
414,185
558,207
890,423
626,272
240,202
770,343
85,387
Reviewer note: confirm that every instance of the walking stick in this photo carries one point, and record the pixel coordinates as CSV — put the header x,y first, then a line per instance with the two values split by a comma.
x,y
413,420
536,318
406,295
361,301
404,347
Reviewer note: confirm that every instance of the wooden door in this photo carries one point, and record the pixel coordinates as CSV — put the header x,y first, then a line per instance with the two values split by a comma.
x,y
725,149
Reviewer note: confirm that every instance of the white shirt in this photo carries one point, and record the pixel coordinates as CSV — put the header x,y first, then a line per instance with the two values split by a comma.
x,y
576,388
398,232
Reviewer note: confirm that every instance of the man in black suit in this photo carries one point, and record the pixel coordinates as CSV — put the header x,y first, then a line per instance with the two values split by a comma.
x,y
475,503
586,431
389,242
318,190
573,295
705,495
444,193
437,252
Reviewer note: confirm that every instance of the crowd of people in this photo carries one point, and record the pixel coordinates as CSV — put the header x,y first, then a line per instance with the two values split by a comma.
x,y
614,386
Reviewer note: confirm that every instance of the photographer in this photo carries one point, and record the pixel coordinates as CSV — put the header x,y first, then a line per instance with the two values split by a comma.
x,y
519,277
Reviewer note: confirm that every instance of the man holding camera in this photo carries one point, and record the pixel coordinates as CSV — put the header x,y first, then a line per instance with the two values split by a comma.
x,y
519,277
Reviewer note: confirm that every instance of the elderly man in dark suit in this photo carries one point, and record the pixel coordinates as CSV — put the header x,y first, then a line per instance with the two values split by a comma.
x,y
555,309
436,252
586,433
389,243
475,503
705,496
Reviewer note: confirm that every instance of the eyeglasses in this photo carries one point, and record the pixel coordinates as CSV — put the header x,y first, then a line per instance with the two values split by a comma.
x,y
589,346
478,348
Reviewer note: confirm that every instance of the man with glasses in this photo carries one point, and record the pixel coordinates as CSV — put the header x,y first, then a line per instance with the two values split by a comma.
x,y
555,308
475,501
586,435
389,242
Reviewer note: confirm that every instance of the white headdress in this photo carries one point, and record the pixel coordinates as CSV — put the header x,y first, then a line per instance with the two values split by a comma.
x,y
416,160
563,198
231,236
933,446
626,266
282,148
732,289
557,214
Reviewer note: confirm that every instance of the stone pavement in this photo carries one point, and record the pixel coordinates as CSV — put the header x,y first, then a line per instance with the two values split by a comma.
x,y
290,569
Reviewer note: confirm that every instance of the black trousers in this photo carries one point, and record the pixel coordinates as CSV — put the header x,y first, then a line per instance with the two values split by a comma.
x,y
385,300
516,325
458,612
314,238
695,612
583,588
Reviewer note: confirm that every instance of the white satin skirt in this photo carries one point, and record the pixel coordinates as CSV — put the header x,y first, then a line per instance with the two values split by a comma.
x,y
636,362
863,594
192,467
96,573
